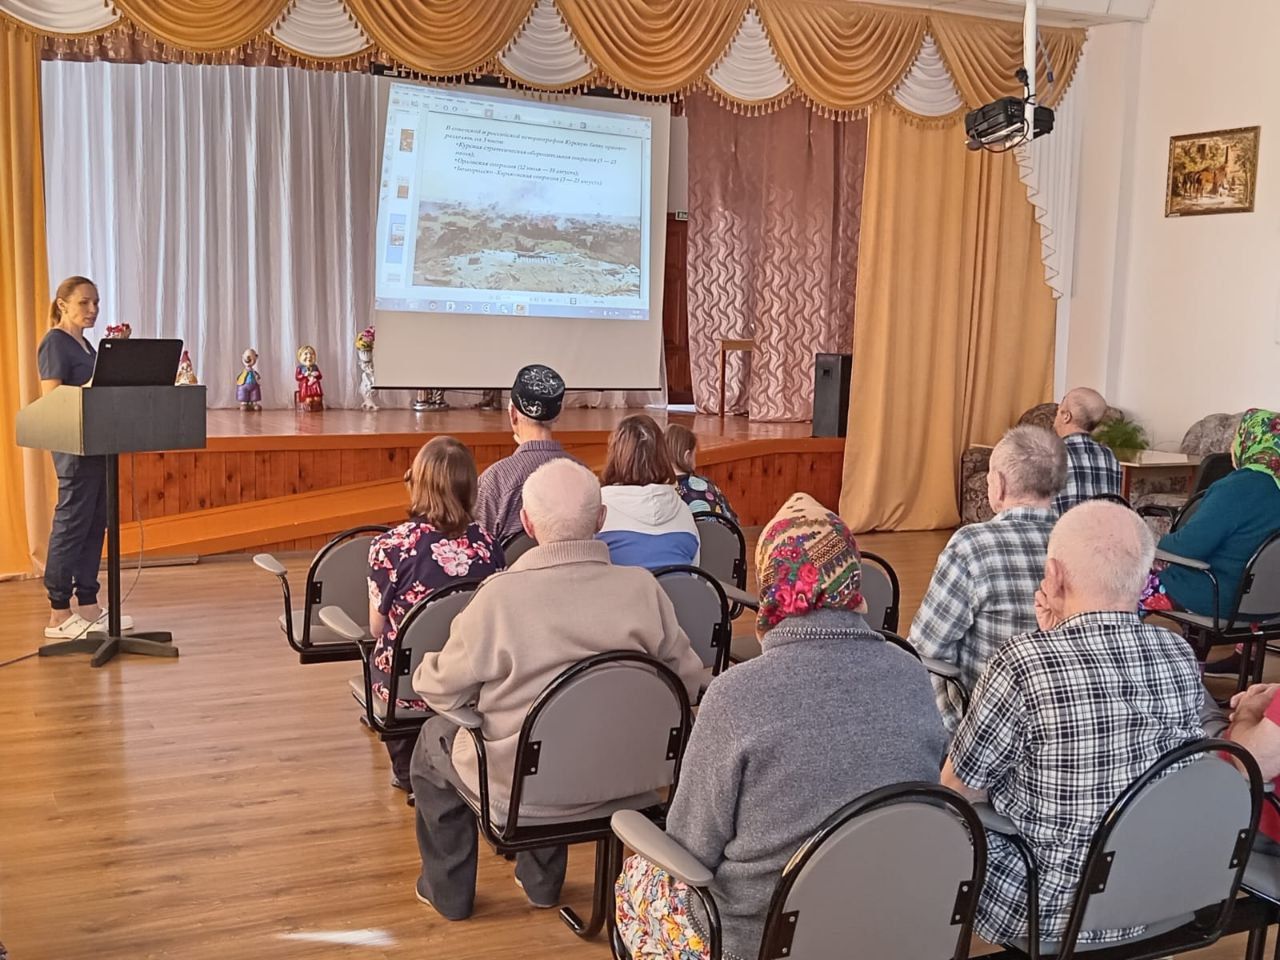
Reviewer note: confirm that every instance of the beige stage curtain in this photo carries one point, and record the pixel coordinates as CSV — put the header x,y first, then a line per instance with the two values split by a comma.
x,y
204,26
24,288
441,37
954,329
983,57
654,46
844,56
774,207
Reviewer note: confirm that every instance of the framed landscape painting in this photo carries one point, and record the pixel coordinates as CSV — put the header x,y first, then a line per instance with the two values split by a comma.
x,y
1212,172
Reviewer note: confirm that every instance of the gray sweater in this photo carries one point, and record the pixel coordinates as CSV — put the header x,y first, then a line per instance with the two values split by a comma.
x,y
827,713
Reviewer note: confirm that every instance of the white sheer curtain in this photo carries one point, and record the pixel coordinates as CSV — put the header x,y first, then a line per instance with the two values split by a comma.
x,y
228,206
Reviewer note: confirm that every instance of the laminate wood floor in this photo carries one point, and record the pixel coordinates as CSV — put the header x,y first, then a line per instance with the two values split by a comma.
x,y
227,805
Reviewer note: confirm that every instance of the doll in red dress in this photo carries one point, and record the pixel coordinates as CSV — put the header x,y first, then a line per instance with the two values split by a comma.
x,y
310,395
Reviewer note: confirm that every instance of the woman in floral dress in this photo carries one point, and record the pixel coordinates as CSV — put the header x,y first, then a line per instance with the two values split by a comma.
x,y
439,545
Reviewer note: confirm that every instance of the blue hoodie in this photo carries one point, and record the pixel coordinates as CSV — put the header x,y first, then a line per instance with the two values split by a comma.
x,y
649,526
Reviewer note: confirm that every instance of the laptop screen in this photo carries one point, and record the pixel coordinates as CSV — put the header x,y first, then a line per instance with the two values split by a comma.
x,y
136,363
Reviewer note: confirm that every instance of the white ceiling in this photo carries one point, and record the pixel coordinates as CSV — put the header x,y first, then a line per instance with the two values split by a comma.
x,y
1075,13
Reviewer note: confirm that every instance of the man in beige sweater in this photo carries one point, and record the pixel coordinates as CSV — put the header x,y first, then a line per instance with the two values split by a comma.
x,y
560,603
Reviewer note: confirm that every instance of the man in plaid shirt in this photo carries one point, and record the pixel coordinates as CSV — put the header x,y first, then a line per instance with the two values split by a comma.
x,y
1066,717
1092,469
984,585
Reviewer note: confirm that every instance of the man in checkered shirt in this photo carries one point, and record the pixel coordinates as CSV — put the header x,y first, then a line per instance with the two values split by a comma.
x,y
1066,717
1092,469
984,585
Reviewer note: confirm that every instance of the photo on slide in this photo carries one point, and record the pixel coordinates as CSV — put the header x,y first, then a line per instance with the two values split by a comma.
x,y
483,247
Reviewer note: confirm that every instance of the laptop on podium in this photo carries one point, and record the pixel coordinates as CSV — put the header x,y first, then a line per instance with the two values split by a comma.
x,y
136,363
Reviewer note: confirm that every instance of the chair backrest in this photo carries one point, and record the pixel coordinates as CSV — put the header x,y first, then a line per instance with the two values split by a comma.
x,y
881,590
1113,498
1188,511
516,545
1213,467
424,630
702,610
1157,857
724,549
339,577
896,872
1260,587
609,727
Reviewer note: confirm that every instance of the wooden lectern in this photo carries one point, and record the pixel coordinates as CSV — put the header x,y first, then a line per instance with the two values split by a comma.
x,y
109,421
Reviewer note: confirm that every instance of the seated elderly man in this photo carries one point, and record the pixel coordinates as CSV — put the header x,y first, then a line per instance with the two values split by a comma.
x,y
1092,469
984,585
1066,717
536,398
558,604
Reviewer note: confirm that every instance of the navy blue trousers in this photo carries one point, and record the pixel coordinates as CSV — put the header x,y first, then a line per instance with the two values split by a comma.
x,y
75,542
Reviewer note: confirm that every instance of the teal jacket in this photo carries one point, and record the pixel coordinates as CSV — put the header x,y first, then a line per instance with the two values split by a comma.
x,y
1236,515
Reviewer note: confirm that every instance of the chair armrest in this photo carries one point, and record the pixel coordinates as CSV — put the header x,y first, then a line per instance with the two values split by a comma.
x,y
739,596
336,619
995,822
464,717
1188,562
942,668
1157,510
644,837
270,564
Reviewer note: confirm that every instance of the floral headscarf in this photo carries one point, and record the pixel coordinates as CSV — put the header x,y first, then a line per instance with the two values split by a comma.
x,y
806,560
1257,444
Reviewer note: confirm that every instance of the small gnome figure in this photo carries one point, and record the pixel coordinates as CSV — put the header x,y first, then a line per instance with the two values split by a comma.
x,y
309,395
119,331
364,358
249,383
186,373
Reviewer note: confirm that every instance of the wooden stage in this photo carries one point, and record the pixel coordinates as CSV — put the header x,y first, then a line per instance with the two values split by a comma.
x,y
284,480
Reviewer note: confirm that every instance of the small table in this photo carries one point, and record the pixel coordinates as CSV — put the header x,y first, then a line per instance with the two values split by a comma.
x,y
726,347
1155,464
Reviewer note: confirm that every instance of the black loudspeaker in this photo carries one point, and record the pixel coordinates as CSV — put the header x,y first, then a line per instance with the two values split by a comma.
x,y
831,373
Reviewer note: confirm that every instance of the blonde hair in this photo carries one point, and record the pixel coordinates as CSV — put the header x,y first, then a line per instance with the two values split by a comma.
x,y
442,485
681,444
65,289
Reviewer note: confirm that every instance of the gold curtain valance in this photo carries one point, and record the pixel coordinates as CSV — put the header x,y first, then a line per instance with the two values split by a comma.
x,y
654,47
203,26
843,56
441,37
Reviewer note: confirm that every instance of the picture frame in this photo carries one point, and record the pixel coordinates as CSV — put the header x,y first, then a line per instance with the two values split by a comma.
x,y
1215,172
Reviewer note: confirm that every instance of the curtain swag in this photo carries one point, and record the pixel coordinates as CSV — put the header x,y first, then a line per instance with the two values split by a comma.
x,y
753,55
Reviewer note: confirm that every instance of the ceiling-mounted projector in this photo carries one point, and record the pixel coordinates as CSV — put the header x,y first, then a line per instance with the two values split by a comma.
x,y
1002,125
1013,121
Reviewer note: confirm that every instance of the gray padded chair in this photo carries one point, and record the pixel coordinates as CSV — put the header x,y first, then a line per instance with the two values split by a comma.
x,y
1158,860
723,554
893,875
1254,617
702,610
608,734
338,576
424,630
516,546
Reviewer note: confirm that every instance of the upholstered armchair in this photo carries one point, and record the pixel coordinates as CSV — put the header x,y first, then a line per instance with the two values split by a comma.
x,y
1212,434
974,462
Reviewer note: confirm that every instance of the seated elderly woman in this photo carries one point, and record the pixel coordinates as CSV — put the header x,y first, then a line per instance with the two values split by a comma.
x,y
834,712
646,522
440,544
1235,516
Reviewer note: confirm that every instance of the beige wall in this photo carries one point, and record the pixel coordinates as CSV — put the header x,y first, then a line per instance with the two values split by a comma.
x,y
1177,318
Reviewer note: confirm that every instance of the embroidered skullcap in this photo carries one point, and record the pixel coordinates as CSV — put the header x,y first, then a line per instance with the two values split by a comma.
x,y
538,392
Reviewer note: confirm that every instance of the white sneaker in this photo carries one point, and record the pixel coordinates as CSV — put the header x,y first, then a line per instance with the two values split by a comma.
x,y
126,622
73,628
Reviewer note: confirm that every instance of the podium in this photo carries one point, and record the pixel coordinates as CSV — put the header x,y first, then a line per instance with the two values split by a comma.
x,y
109,421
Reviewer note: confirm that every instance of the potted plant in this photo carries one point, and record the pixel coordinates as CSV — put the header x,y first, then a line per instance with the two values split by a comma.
x,y
1124,436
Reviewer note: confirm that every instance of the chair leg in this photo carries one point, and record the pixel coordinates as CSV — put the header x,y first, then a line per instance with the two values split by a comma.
x,y
1256,944
601,896
1259,659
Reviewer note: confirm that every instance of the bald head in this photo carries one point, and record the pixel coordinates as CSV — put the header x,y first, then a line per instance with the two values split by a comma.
x,y
562,502
1080,411
1103,553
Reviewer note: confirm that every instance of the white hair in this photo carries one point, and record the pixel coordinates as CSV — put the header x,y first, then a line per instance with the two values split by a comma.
x,y
1033,461
1106,551
562,500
